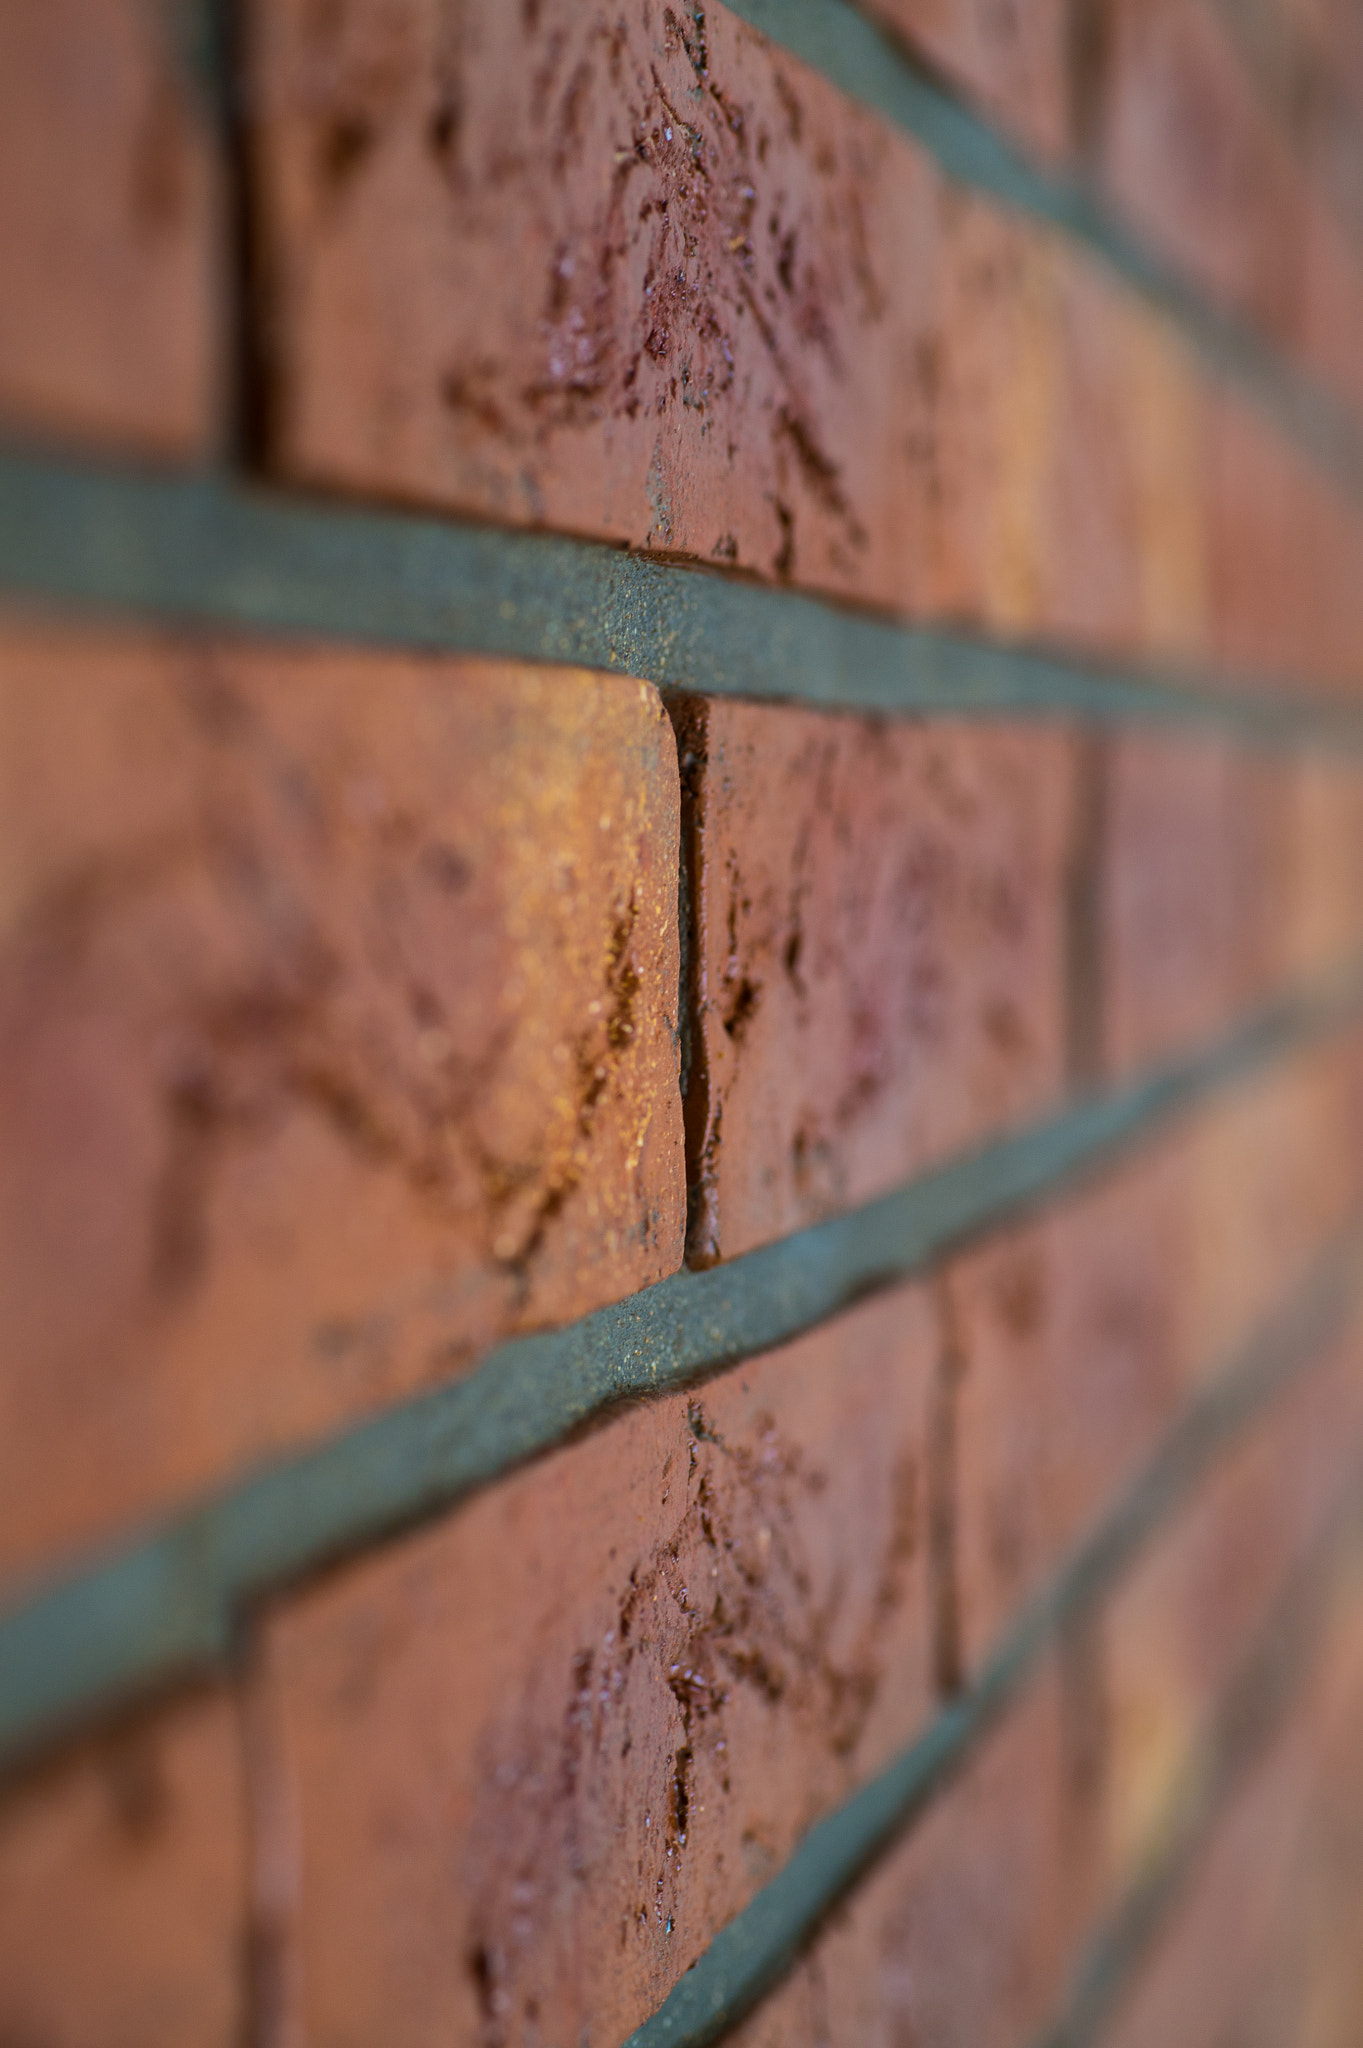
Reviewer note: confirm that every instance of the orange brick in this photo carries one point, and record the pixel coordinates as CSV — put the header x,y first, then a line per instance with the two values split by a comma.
x,y
340,1025
879,954
110,227
123,1889
544,1752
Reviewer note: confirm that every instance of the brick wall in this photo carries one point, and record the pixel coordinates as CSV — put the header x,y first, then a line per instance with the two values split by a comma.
x,y
681,1115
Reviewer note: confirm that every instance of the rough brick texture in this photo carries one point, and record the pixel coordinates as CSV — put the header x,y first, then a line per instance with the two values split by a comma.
x,y
340,1026
361,1009
646,279
879,966
110,227
719,1626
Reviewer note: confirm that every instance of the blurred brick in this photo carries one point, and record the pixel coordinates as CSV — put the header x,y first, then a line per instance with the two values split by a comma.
x,y
1011,60
962,1937
110,226
1193,157
1304,1981
1225,873
544,1752
879,955
1178,1627
123,1888
339,1020
1077,1338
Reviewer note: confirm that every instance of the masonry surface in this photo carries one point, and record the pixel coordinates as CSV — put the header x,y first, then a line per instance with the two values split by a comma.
x,y
369,1008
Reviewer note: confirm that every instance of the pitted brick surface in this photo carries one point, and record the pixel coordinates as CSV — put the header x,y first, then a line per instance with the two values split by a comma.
x,y
544,1753
879,954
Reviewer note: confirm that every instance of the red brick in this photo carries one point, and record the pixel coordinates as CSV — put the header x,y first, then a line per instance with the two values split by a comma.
x,y
1225,873
1194,158
1011,60
1177,1629
1076,1338
546,1750
961,1938
123,1888
1304,1982
1221,1921
779,339
110,226
1261,1945
339,1015
879,954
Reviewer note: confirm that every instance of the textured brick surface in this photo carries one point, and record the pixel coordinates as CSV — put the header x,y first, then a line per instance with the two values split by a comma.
x,y
339,1001
110,226
960,1939
123,1889
879,954
605,273
544,1753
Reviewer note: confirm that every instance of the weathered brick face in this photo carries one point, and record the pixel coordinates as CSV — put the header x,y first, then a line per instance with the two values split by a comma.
x,y
340,1015
374,1000
879,954
719,1627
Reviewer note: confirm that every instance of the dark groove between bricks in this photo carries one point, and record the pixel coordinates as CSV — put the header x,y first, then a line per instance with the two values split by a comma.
x,y
207,552
168,1606
869,64
1250,1711
758,1948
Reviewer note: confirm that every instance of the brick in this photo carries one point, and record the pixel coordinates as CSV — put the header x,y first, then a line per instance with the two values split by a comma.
x,y
1193,157
1075,1339
123,1886
1011,60
1177,1628
1285,598
339,998
606,274
961,1937
1261,1945
110,228
1223,875
879,954
1220,1923
544,1751
1303,1982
